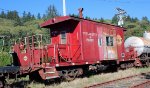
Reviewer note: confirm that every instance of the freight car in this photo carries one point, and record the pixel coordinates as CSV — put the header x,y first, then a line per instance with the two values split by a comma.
x,y
141,46
73,47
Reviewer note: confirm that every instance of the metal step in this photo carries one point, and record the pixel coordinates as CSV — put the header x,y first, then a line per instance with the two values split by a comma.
x,y
52,77
48,67
49,72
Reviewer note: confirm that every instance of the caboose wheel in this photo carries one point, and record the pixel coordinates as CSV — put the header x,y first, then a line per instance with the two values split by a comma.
x,y
144,57
147,63
69,78
70,75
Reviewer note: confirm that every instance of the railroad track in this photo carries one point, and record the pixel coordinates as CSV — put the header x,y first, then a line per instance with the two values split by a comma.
x,y
136,81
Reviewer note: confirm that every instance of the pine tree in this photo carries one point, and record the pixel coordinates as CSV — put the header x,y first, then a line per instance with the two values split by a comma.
x,y
32,17
3,15
16,18
145,19
29,16
136,19
39,16
87,18
144,22
24,17
101,19
128,18
114,19
51,12
44,17
10,15
73,15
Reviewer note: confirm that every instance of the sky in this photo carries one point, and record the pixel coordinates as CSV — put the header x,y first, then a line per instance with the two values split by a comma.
x,y
92,8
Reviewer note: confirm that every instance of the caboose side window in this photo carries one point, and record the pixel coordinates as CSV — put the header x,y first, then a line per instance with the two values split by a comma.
x,y
109,41
63,37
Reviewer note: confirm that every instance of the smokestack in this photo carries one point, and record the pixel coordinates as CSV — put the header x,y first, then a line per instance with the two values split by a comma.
x,y
80,12
64,7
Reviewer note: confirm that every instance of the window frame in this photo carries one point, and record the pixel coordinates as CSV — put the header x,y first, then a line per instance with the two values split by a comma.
x,y
61,38
100,42
109,40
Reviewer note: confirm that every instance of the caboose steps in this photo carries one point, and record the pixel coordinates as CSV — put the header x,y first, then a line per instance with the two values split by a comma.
x,y
48,67
52,77
50,72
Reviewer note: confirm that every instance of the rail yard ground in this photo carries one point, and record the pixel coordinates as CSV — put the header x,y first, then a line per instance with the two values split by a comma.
x,y
87,81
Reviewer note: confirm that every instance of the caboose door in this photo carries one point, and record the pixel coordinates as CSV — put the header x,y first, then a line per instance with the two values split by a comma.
x,y
110,46
100,43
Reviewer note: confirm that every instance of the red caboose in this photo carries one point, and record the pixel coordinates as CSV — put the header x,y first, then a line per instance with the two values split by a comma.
x,y
79,41
76,45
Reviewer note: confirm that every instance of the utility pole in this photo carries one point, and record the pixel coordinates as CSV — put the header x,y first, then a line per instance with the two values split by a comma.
x,y
121,14
64,7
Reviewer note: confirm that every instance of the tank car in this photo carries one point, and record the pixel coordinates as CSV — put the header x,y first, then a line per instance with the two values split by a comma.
x,y
141,46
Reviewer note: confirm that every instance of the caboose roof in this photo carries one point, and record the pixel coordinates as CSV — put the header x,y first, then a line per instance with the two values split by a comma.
x,y
56,20
61,19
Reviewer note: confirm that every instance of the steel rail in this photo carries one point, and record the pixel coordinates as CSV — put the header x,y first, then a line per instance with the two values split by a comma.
x,y
120,79
142,85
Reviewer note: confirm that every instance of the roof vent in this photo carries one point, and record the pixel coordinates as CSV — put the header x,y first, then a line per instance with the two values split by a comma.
x,y
53,20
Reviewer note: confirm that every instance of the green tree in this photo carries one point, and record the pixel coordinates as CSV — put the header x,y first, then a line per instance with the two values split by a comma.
x,y
51,12
73,15
24,17
145,19
44,17
32,17
101,19
128,18
39,16
114,19
144,23
29,16
87,18
10,15
16,18
135,19
3,15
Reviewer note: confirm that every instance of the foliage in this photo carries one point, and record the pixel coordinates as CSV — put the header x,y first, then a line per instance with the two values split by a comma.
x,y
27,17
114,20
4,59
73,15
101,20
39,16
51,12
